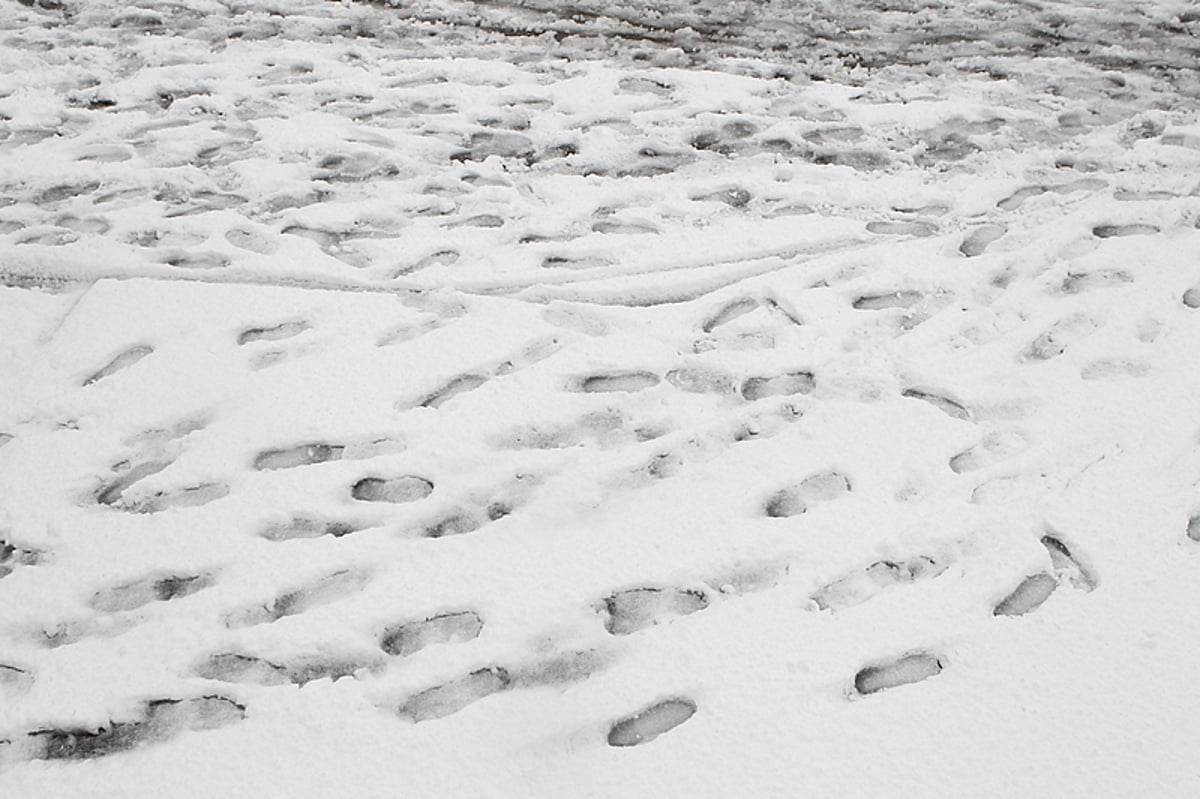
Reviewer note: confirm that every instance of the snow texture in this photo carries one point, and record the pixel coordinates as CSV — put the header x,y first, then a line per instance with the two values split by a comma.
x,y
510,398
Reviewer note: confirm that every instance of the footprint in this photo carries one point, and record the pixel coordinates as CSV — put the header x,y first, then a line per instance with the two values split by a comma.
x,y
161,719
796,499
734,197
1057,339
196,260
1191,297
12,556
459,385
300,455
329,589
624,227
187,497
235,668
397,490
979,239
728,312
123,361
787,384
995,447
64,191
912,228
617,381
1114,369
909,669
446,628
1193,528
1028,596
651,722
943,404
150,589
1117,231
444,700
469,520
250,240
1067,564
855,589
883,302
701,381
638,608
1017,198
1075,283
112,492
503,144
307,527
273,333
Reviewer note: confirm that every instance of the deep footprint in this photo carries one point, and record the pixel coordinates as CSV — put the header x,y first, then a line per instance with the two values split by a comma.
x,y
1028,596
396,490
904,671
646,725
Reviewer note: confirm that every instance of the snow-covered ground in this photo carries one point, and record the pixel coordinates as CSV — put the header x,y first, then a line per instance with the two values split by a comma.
x,y
709,399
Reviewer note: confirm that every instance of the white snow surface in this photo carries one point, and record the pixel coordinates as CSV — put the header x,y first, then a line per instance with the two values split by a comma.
x,y
449,399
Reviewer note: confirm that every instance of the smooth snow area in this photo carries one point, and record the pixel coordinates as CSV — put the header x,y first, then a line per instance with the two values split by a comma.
x,y
450,399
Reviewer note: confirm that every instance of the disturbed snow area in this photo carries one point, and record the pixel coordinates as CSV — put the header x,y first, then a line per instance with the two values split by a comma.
x,y
671,399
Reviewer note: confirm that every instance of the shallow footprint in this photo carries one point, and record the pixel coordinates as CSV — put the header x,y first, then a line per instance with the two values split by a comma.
x,y
123,361
444,700
151,589
856,588
307,527
796,499
446,628
329,589
787,384
639,608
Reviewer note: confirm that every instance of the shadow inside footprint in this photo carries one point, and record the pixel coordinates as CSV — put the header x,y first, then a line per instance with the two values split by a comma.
x,y
646,725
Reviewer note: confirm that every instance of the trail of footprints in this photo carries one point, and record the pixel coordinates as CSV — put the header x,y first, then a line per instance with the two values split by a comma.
x,y
448,211
622,613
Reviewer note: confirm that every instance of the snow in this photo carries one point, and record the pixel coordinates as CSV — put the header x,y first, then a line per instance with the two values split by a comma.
x,y
450,398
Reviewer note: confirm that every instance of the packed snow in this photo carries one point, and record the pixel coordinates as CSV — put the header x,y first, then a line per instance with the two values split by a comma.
x,y
663,399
